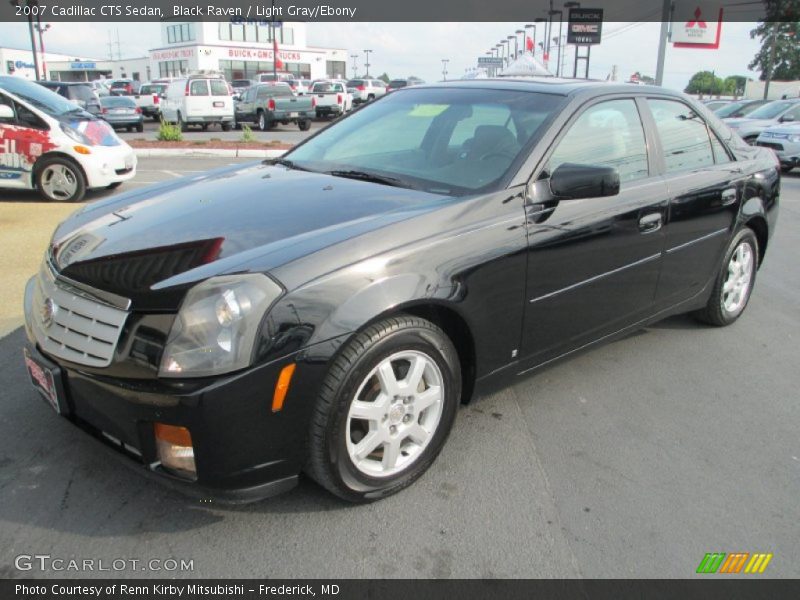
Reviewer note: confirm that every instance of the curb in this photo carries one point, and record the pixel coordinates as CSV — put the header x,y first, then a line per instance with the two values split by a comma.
x,y
220,152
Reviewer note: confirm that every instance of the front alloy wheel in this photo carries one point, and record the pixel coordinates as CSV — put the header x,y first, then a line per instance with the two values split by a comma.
x,y
385,409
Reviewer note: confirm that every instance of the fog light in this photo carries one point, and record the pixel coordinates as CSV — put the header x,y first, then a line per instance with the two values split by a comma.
x,y
175,450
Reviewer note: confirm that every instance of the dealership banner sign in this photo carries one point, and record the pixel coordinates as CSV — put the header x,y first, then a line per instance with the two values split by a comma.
x,y
585,26
261,11
696,24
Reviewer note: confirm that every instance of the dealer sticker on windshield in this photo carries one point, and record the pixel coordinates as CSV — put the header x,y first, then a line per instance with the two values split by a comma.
x,y
428,110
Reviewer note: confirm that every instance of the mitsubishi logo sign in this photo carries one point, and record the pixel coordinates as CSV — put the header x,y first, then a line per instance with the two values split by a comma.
x,y
696,24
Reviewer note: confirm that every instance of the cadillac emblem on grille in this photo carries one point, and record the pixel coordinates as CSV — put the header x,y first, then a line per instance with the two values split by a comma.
x,y
48,312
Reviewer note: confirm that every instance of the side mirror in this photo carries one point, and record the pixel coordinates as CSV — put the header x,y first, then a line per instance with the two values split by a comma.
x,y
6,112
571,181
787,119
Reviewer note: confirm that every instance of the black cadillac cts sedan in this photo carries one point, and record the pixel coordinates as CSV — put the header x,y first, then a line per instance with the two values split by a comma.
x,y
328,311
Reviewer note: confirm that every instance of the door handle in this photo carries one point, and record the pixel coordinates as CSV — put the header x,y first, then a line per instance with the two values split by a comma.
x,y
728,196
650,223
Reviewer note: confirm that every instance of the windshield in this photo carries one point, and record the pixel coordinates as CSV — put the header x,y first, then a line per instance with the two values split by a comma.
x,y
40,97
450,141
771,110
729,109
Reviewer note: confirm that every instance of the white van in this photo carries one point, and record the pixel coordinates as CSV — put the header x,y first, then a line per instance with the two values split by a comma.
x,y
198,100
49,144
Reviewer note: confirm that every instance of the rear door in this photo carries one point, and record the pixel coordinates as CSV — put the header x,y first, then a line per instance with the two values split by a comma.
x,y
593,264
705,188
198,101
221,99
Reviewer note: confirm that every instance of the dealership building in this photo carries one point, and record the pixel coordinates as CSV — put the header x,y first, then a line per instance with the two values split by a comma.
x,y
238,50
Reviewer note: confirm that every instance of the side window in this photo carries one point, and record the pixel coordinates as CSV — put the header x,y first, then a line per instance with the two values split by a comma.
x,y
721,155
26,117
482,114
608,134
250,94
684,136
792,115
7,102
199,87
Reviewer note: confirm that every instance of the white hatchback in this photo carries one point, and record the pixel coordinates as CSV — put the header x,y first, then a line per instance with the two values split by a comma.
x,y
49,144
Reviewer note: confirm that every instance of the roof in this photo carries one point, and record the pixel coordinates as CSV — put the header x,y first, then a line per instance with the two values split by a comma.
x,y
552,85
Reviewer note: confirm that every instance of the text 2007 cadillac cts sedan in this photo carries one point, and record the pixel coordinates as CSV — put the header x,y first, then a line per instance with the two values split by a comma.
x,y
327,312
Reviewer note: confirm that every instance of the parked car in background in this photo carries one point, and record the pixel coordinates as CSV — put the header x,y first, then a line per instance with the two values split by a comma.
x,y
51,145
332,98
364,90
299,86
100,87
740,108
198,100
784,140
148,99
715,104
240,85
329,311
123,87
279,76
81,94
774,113
267,104
121,111
396,84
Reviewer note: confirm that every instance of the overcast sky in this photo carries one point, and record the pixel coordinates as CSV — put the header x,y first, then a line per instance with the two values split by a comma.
x,y
403,49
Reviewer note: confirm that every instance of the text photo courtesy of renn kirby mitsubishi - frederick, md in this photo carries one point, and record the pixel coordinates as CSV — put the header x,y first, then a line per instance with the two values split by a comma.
x,y
360,298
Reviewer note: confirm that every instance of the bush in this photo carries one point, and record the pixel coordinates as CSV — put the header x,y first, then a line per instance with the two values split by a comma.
x,y
247,134
167,132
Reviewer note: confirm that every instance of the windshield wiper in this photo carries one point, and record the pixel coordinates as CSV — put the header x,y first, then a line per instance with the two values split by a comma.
x,y
365,176
289,164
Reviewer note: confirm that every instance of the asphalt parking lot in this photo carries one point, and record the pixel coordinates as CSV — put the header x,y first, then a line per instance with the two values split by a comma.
x,y
631,460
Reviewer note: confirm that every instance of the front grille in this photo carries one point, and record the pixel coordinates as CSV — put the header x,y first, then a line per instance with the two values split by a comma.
x,y
68,323
770,145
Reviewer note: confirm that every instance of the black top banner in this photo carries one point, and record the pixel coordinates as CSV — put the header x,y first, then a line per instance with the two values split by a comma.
x,y
373,10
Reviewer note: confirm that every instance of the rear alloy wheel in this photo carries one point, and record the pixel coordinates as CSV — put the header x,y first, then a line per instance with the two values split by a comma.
x,y
60,180
263,122
385,410
735,281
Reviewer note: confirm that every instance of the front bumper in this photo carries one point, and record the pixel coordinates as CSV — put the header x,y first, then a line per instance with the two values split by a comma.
x,y
243,451
107,165
788,153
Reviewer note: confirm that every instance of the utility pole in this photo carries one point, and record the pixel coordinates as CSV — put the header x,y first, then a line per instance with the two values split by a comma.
x,y
30,4
444,67
355,65
666,15
366,62
771,67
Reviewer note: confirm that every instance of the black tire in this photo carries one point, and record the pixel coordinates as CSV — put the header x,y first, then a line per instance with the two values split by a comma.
x,y
129,128
204,126
140,127
156,117
714,312
113,186
74,170
181,123
226,126
319,115
370,97
262,122
304,124
328,462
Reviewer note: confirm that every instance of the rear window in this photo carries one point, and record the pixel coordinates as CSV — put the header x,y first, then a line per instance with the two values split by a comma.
x,y
153,89
241,83
324,87
219,88
120,84
199,88
82,92
117,102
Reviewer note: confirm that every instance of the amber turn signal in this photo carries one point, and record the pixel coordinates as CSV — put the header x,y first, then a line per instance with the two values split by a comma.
x,y
282,387
81,149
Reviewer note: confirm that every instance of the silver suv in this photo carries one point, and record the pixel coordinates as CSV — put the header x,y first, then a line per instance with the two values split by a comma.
x,y
784,139
364,90
769,115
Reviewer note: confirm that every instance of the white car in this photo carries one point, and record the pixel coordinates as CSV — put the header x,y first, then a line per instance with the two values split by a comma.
x,y
198,100
149,98
49,144
364,90
331,98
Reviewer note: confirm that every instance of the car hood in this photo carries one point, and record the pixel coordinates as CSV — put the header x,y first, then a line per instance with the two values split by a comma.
x,y
150,245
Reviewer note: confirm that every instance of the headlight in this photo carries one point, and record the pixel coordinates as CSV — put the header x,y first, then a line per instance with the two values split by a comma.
x,y
795,139
76,135
217,326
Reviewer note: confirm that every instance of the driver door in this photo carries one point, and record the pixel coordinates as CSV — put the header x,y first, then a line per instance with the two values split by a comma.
x,y
593,264
24,137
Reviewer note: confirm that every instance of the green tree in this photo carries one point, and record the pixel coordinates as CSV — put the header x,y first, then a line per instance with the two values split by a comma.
x,y
384,78
781,29
734,85
704,82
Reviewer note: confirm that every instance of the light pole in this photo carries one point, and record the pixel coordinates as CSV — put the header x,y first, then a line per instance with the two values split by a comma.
x,y
543,21
444,67
560,13
575,67
516,47
30,4
41,31
518,32
366,62
500,51
355,65
506,50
